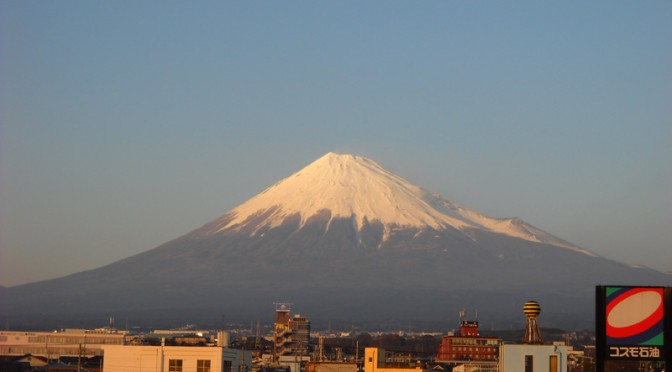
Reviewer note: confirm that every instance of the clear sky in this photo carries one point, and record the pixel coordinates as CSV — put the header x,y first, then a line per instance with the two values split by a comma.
x,y
125,124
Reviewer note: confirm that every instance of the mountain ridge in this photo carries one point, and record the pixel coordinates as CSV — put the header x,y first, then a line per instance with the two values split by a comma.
x,y
353,263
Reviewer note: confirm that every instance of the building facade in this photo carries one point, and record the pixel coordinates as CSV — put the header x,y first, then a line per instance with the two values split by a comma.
x,y
375,360
175,359
534,358
291,334
331,367
64,343
469,347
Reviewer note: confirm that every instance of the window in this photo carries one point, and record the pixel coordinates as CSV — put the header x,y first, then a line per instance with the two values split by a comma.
x,y
175,365
203,366
227,366
528,363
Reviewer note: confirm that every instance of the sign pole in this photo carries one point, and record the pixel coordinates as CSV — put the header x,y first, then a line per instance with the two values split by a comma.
x,y
600,328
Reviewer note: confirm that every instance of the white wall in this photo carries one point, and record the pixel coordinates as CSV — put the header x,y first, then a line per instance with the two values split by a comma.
x,y
156,358
512,357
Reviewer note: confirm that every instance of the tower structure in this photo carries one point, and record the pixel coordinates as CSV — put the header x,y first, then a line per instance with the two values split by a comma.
x,y
531,309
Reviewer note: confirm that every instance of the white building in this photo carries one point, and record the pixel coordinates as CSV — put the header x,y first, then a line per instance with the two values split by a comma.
x,y
533,358
53,345
175,359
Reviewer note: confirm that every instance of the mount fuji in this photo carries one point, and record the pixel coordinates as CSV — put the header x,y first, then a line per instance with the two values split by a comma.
x,y
344,240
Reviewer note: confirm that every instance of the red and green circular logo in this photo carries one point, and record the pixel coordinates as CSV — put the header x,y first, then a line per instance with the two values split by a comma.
x,y
635,316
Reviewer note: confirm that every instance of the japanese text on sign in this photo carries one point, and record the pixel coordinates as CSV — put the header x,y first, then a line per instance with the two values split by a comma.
x,y
638,352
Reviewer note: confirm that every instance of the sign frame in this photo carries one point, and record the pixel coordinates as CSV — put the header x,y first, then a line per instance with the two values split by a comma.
x,y
645,335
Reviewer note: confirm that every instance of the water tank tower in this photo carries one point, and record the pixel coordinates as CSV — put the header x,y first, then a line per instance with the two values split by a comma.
x,y
531,309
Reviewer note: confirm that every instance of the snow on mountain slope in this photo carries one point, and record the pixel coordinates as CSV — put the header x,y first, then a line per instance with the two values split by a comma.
x,y
357,188
514,227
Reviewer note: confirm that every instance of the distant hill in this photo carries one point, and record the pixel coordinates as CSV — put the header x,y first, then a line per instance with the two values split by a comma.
x,y
344,241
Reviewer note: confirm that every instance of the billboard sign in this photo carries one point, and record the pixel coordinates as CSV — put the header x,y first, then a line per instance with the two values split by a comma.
x,y
633,323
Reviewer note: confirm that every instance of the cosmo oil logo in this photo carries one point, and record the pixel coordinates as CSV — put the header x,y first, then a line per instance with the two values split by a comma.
x,y
635,322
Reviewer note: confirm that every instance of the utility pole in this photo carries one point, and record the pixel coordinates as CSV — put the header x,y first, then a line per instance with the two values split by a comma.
x,y
257,339
242,358
163,344
321,349
357,354
46,349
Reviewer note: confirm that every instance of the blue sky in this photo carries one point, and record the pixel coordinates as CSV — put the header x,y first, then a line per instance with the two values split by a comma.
x,y
125,124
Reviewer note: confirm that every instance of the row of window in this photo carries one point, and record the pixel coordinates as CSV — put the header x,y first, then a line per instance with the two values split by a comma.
x,y
175,365
76,340
490,350
473,341
472,357
55,351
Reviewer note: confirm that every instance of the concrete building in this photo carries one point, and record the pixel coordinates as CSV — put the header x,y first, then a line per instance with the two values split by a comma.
x,y
533,358
291,335
375,360
331,367
21,363
64,343
469,347
175,359
293,362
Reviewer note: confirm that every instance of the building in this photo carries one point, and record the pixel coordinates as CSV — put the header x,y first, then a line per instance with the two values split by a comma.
x,y
376,360
469,347
331,367
64,343
175,359
21,363
291,334
534,357
293,363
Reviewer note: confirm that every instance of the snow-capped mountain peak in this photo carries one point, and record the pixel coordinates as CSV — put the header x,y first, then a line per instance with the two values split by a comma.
x,y
349,187
357,188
